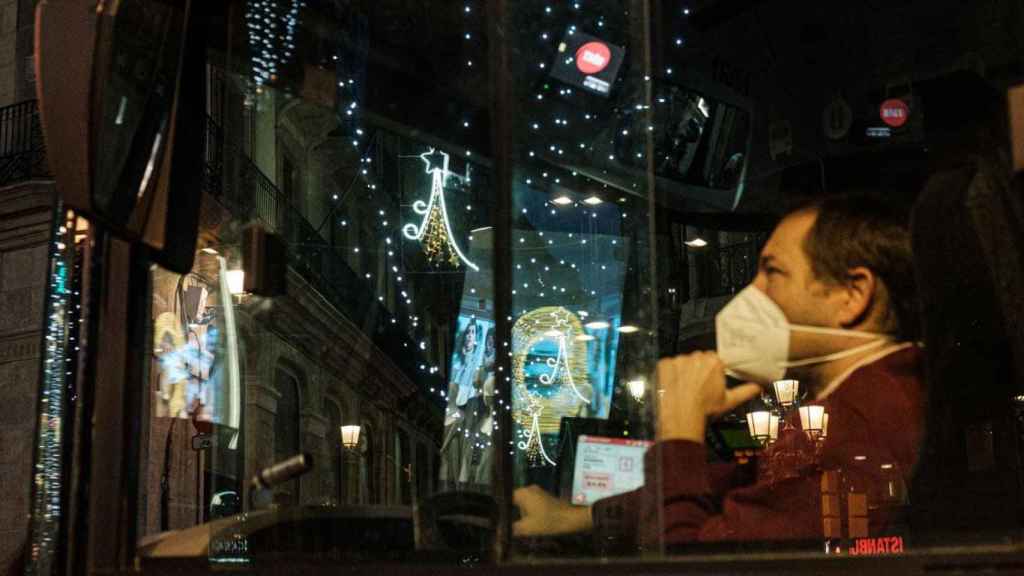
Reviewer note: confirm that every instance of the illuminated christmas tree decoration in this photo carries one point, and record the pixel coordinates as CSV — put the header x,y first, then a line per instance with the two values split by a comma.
x,y
559,365
542,400
435,230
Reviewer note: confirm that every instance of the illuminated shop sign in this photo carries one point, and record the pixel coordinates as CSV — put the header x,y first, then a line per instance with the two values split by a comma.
x,y
587,62
593,57
877,546
894,112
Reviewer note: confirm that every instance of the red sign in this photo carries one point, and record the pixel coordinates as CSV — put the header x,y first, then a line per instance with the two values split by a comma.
x,y
877,546
593,57
894,112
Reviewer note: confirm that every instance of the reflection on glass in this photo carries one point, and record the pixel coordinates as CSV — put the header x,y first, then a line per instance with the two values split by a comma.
x,y
138,83
196,425
562,365
196,350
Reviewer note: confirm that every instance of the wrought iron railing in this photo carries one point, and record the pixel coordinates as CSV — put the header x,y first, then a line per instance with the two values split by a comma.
x,y
22,150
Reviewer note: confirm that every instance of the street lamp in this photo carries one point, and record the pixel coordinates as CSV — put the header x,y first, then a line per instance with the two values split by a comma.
x,y
236,282
350,437
759,424
786,392
637,388
812,420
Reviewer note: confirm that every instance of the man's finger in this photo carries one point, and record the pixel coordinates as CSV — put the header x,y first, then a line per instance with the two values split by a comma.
x,y
740,395
520,529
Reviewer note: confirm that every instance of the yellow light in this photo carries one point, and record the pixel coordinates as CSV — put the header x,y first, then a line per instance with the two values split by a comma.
x,y
236,281
637,388
786,391
350,436
628,329
759,425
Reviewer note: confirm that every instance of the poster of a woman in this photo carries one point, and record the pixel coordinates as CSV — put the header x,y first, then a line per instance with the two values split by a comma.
x,y
463,410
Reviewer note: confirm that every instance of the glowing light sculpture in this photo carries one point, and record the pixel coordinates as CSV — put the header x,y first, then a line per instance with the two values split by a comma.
x,y
560,364
533,445
536,412
435,230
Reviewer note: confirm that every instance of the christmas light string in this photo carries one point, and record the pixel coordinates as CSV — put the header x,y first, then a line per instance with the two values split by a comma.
x,y
59,354
435,225
271,37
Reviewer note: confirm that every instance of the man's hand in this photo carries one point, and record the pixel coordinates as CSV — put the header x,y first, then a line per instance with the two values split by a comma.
x,y
541,514
691,389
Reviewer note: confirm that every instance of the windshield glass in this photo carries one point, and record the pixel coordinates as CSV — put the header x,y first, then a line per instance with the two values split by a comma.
x,y
593,279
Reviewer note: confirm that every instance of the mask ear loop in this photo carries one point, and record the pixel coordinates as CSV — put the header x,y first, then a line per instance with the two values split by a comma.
x,y
838,332
838,355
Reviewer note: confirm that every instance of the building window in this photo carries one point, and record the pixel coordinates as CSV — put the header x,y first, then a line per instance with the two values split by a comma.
x,y
286,432
422,471
367,468
404,472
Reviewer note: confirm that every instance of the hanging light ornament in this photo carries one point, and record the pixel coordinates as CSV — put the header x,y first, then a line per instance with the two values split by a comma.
x,y
435,230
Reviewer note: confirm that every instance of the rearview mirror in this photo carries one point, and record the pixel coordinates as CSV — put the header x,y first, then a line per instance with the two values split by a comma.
x,y
121,99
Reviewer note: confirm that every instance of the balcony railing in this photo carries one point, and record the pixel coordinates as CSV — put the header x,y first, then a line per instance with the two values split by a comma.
x,y
22,150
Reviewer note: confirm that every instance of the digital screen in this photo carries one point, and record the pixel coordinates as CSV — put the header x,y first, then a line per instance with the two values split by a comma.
x,y
606,467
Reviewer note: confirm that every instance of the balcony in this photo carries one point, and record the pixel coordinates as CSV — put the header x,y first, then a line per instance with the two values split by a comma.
x,y
22,150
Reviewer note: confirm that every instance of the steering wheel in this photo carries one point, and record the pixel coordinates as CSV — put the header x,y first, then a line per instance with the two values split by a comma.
x,y
460,522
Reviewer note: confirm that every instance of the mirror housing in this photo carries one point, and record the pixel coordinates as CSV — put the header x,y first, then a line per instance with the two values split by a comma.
x,y
78,52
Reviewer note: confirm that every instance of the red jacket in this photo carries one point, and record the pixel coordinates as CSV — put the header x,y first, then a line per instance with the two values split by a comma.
x,y
876,419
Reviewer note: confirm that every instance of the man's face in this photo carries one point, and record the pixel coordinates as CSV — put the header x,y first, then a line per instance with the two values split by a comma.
x,y
785,275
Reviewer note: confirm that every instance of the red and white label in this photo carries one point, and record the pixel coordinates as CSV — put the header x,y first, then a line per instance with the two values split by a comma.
x,y
593,57
894,112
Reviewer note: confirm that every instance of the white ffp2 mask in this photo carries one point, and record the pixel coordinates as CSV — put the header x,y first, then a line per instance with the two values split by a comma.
x,y
753,338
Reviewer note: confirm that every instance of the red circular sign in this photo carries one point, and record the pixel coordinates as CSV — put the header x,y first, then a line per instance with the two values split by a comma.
x,y
894,112
593,57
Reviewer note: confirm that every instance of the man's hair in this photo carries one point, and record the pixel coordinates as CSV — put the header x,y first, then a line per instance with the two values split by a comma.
x,y
859,229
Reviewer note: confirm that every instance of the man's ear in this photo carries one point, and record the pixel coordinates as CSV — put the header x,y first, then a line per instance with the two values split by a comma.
x,y
860,294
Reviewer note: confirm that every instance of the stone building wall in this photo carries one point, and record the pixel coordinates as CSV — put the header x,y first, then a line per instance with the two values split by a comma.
x,y
26,213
